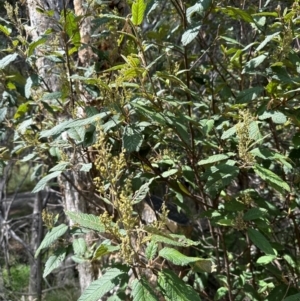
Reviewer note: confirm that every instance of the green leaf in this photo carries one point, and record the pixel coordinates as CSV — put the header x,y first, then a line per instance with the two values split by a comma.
x,y
228,133
204,265
276,116
254,63
260,241
86,167
290,261
141,193
132,139
215,158
104,249
249,94
5,30
51,237
138,10
43,182
267,40
225,222
76,133
79,246
173,288
176,257
281,74
34,44
221,293
7,60
190,35
60,166
254,213
237,14
295,297
170,239
151,250
199,7
142,291
263,260
62,127
71,28
3,112
22,110
97,289
89,221
269,176
169,172
52,96
54,262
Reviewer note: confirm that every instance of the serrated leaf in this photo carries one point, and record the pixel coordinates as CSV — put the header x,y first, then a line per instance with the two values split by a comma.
x,y
276,116
79,246
173,288
254,213
97,289
51,237
43,182
151,250
170,239
190,35
141,193
89,221
260,241
249,94
138,10
254,132
132,139
142,291
269,176
215,158
228,133
263,260
54,262
176,257
7,60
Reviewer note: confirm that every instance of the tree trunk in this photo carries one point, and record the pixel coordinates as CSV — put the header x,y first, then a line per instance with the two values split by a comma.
x,y
35,280
73,200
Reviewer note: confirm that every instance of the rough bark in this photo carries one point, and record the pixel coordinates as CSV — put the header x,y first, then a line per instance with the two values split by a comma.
x,y
73,200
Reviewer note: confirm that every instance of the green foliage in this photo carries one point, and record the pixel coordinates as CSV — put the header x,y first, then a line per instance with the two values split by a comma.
x,y
19,277
209,127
